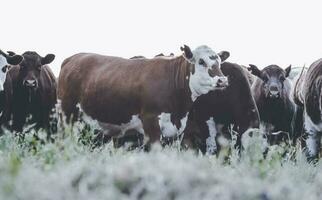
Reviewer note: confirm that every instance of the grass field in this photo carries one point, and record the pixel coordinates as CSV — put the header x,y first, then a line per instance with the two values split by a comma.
x,y
69,168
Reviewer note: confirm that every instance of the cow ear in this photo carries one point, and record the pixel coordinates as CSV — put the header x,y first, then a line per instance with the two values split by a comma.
x,y
47,59
254,70
187,52
288,70
223,55
14,60
11,53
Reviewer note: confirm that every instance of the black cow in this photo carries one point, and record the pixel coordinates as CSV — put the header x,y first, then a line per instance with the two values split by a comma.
x,y
219,109
272,93
30,90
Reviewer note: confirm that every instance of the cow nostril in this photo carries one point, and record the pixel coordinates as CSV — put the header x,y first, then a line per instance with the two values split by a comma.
x,y
222,81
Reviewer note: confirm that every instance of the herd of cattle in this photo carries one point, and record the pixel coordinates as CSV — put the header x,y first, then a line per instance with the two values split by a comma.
x,y
196,97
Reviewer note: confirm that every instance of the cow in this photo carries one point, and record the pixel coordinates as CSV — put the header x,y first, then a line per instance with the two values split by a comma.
x,y
312,100
162,55
138,57
272,93
30,91
219,109
152,96
5,61
298,98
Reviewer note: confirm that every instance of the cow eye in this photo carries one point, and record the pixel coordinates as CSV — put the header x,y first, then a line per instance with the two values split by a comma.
x,y
4,68
201,62
213,57
282,78
265,78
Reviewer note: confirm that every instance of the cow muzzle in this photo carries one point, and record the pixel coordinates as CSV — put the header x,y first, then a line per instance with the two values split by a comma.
x,y
30,84
273,92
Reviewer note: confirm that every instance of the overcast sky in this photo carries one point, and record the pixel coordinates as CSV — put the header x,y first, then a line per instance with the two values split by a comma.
x,y
279,32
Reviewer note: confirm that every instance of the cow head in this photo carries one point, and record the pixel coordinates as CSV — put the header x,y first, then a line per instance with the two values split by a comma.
x,y
273,78
30,69
205,74
5,61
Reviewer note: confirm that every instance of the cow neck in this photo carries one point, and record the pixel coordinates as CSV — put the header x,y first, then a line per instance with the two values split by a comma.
x,y
180,70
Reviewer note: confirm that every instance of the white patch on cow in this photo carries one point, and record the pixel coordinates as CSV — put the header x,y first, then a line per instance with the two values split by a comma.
x,y
3,62
134,124
167,128
211,140
201,82
313,135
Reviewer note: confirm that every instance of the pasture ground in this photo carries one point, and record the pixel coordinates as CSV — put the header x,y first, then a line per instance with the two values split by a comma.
x,y
69,168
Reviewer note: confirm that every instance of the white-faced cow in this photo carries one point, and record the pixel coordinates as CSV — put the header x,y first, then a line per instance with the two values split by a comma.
x,y
6,60
312,96
217,110
272,93
152,96
30,90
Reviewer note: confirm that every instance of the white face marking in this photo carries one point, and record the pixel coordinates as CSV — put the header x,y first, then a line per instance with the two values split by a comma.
x,y
201,82
167,128
313,135
211,140
3,62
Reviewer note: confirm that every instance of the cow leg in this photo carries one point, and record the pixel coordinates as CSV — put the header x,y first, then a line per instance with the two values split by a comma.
x,y
313,141
211,141
203,136
70,110
151,128
313,144
18,121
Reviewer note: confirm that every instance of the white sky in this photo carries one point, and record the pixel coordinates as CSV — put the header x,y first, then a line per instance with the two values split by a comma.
x,y
260,32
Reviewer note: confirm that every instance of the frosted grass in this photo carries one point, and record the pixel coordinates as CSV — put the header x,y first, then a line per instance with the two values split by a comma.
x,y
70,169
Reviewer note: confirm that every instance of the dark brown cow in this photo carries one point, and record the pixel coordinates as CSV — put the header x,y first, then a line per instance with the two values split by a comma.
x,y
219,109
30,89
312,96
152,96
272,93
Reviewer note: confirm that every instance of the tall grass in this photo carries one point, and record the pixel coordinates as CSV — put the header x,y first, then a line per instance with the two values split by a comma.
x,y
67,167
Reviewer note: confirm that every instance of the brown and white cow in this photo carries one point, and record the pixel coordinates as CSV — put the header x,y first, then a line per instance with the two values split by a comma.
x,y
30,90
312,96
152,96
